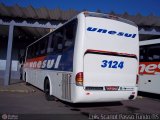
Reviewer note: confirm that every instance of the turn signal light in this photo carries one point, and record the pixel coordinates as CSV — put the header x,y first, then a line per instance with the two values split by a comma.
x,y
79,79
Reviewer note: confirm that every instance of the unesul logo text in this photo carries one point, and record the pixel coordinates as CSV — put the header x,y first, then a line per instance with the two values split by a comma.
x,y
111,32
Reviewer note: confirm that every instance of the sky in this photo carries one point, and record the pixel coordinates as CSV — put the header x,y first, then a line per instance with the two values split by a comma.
x,y
132,7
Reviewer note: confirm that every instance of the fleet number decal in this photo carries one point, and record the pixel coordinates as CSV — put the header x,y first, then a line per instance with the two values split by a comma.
x,y
112,64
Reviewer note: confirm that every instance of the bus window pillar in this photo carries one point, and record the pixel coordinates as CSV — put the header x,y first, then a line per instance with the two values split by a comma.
x,y
9,55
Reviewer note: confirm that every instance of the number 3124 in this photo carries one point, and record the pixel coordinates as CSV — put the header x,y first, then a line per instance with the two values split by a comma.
x,y
112,64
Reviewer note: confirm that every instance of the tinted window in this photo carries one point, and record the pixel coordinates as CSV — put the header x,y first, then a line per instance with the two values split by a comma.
x,y
150,53
62,38
154,53
43,45
31,52
55,42
58,39
70,32
38,47
142,54
50,47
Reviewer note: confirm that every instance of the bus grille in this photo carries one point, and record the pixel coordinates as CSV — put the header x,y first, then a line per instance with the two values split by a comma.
x,y
66,89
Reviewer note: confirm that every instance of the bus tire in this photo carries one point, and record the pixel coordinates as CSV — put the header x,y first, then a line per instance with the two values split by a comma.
x,y
47,90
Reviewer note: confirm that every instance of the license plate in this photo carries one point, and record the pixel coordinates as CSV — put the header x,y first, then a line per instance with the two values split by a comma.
x,y
112,88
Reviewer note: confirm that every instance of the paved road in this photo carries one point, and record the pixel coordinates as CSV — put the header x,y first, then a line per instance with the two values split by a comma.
x,y
33,105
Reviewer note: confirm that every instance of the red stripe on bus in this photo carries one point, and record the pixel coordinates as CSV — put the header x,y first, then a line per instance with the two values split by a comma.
x,y
111,53
150,68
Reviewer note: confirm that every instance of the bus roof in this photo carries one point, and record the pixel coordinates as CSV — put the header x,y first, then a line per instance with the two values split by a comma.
x,y
91,14
109,16
149,42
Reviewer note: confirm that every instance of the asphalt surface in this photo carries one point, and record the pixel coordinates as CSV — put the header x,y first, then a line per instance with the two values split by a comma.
x,y
21,102
31,105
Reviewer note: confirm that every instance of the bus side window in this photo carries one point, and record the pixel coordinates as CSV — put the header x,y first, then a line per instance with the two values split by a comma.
x,y
32,51
69,36
44,43
50,47
142,53
59,46
156,57
29,53
58,39
153,53
37,45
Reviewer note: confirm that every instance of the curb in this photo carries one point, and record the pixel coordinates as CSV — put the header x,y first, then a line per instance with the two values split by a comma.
x,y
139,97
18,91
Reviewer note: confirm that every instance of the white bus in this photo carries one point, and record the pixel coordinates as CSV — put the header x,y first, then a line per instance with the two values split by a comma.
x,y
149,69
91,58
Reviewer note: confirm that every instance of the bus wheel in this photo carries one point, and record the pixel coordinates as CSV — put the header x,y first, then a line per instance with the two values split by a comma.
x,y
47,91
